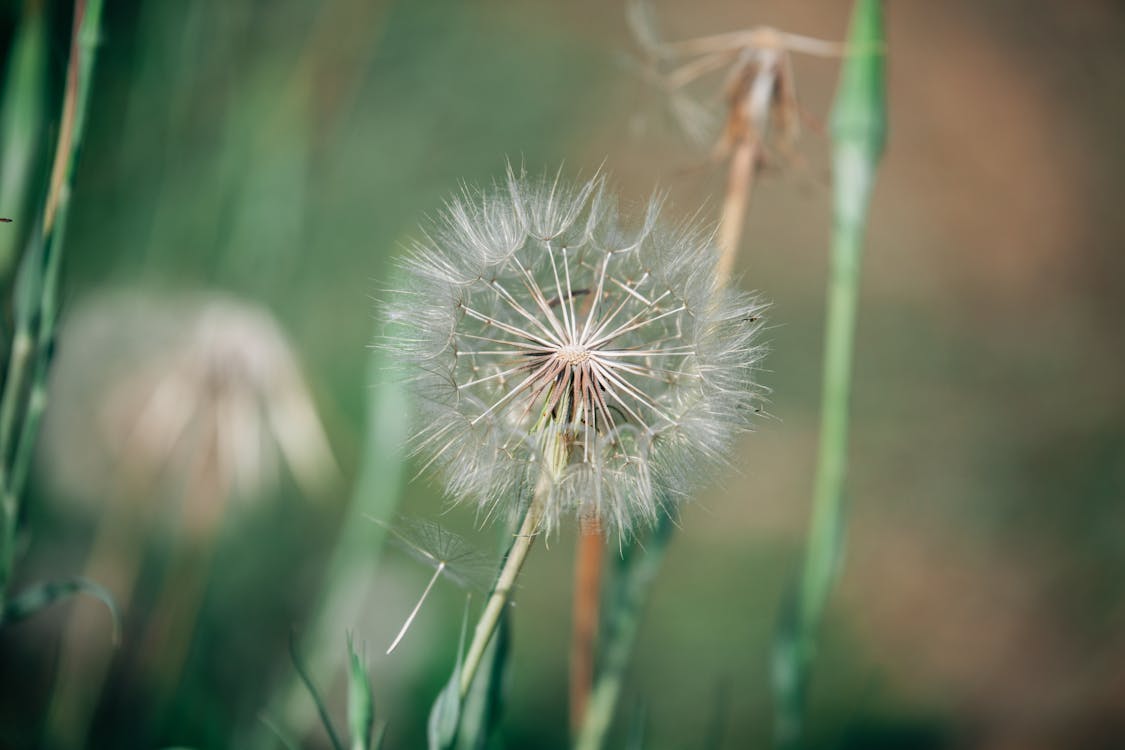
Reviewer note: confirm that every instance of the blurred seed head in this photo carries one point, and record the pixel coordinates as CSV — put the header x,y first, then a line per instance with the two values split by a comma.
x,y
759,89
195,399
548,342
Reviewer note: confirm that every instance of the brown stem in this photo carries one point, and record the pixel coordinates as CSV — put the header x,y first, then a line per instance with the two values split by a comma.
x,y
587,592
740,181
63,152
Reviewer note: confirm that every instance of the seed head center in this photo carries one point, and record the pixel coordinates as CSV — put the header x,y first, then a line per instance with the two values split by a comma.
x,y
573,354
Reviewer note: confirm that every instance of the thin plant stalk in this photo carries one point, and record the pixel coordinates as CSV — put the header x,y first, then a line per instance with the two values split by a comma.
x,y
639,573
859,132
585,610
24,393
502,591
593,704
587,593
23,116
740,184
557,453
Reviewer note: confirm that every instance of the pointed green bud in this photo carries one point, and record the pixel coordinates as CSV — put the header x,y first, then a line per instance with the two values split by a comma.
x,y
859,116
361,705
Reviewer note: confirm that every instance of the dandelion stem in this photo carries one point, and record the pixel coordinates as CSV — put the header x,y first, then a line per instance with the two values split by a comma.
x,y
587,589
502,591
740,181
417,607
593,705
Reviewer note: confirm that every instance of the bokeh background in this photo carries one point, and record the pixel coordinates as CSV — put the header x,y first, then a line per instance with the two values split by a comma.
x,y
266,161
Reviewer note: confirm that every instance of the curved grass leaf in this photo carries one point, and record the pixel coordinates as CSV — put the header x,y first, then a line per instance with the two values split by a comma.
x,y
441,729
484,702
325,719
361,705
42,595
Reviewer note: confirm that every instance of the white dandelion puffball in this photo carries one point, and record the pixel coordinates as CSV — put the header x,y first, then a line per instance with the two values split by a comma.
x,y
552,349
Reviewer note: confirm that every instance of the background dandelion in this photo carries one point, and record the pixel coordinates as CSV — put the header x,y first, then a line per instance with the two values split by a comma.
x,y
169,411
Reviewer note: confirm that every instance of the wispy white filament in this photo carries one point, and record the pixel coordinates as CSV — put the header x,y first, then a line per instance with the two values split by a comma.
x,y
417,607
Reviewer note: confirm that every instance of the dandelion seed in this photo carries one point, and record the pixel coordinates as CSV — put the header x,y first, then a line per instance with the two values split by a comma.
x,y
548,343
447,553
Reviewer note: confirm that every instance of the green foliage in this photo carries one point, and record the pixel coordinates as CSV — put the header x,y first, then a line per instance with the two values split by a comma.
x,y
23,116
314,694
465,720
483,705
445,715
357,550
34,303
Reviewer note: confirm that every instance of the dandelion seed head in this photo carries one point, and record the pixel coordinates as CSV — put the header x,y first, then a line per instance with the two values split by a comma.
x,y
548,341
190,400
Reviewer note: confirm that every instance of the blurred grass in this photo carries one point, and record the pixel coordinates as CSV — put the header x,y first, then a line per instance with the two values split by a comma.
x,y
177,200
281,157
346,587
22,133
33,295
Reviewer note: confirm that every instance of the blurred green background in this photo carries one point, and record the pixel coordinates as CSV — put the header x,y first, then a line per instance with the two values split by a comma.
x,y
282,153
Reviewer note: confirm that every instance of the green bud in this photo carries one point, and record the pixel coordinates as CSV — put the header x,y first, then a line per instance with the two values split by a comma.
x,y
361,705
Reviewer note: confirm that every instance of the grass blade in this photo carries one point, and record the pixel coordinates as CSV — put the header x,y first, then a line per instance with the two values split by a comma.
x,y
321,708
35,304
361,704
22,126
481,710
441,729
355,558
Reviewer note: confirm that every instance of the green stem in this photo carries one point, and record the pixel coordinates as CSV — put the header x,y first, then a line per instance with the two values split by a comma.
x,y
24,393
555,452
23,131
826,527
827,524
9,500
502,591
859,133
